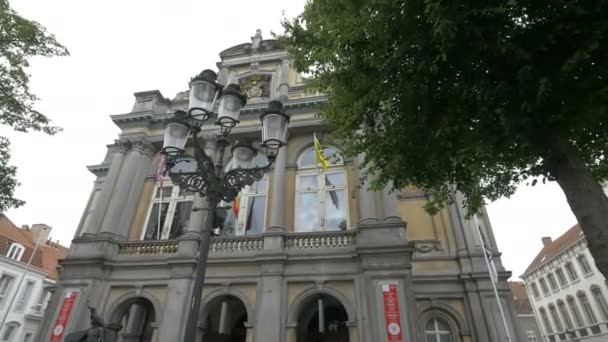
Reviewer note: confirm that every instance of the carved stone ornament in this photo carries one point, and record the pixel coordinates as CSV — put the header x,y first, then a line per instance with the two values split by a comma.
x,y
427,246
256,86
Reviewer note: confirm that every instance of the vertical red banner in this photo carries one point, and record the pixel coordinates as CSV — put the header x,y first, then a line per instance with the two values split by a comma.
x,y
391,313
64,315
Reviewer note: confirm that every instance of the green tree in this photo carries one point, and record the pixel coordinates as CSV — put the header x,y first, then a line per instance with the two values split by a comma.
x,y
20,39
481,95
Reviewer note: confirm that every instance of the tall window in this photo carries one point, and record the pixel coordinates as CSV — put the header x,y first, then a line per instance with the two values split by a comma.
x,y
10,331
25,295
555,317
546,323
552,282
582,260
321,198
29,337
437,330
565,315
561,277
571,271
587,309
543,285
15,251
175,207
246,215
535,290
578,319
600,300
6,281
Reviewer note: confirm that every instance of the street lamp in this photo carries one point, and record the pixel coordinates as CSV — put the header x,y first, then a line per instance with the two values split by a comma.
x,y
201,174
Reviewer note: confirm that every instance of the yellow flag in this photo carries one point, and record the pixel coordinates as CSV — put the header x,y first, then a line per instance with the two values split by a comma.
x,y
321,159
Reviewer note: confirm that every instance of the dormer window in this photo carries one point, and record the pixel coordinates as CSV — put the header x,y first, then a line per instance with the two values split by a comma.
x,y
15,251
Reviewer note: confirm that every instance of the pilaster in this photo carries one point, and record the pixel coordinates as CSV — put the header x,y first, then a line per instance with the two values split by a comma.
x,y
277,214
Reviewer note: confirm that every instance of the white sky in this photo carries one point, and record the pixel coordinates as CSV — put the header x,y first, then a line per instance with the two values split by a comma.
x,y
121,47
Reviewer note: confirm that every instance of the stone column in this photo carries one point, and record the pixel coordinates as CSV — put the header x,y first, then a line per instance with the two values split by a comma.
x,y
143,151
284,85
269,303
390,203
176,308
277,214
118,151
365,196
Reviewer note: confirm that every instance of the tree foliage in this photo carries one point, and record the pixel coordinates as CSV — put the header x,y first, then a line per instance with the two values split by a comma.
x,y
20,39
481,95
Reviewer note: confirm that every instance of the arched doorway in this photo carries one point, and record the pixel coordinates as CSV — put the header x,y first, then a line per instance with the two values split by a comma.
x,y
132,321
225,320
322,319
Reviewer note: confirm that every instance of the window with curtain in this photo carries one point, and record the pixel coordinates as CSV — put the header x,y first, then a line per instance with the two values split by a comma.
x,y
546,323
175,206
437,330
555,317
587,309
321,196
552,282
578,318
561,277
543,285
565,315
571,271
582,261
600,300
246,215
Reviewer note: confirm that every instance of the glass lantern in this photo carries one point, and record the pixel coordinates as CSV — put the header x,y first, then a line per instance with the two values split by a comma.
x,y
230,106
176,134
243,156
203,93
274,127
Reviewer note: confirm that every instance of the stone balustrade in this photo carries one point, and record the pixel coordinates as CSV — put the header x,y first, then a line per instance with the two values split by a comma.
x,y
148,247
237,244
339,239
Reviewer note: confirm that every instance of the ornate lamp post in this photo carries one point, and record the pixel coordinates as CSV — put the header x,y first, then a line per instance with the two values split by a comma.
x,y
201,174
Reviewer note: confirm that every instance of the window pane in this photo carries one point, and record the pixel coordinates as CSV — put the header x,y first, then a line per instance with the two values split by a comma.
x,y
180,219
431,338
335,179
442,326
166,192
254,224
152,232
335,210
308,182
445,338
308,159
430,325
260,186
307,216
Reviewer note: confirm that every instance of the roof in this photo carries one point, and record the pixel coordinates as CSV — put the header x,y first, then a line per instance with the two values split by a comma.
x,y
556,246
520,298
47,256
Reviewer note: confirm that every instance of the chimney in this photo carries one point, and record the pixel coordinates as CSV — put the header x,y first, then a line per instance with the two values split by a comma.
x,y
25,227
40,231
546,240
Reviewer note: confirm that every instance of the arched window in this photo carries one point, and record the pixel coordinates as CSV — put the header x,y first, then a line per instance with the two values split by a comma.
x,y
582,261
535,290
600,300
437,330
543,285
246,215
321,195
555,316
571,271
587,309
578,319
10,331
561,277
15,251
552,282
546,323
565,315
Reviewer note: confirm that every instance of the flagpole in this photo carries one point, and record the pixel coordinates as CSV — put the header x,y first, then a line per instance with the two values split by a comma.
x,y
160,209
319,180
25,272
493,279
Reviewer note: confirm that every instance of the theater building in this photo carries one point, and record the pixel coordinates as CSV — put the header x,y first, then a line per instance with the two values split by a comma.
x,y
305,255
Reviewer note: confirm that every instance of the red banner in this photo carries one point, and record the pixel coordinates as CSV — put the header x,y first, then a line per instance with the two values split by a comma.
x,y
391,313
64,314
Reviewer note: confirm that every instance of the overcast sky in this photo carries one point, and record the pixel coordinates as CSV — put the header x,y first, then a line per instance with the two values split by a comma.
x,y
121,47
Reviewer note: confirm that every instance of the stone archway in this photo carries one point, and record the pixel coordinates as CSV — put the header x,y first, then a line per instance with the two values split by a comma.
x,y
322,318
132,321
225,320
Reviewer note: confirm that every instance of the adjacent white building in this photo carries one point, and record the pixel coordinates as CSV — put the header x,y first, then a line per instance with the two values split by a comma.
x,y
22,306
568,293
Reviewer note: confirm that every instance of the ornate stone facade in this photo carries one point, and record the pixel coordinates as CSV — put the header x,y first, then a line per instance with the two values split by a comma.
x,y
325,277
